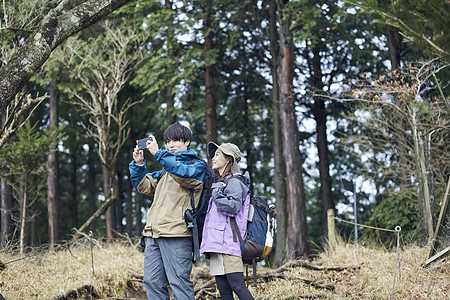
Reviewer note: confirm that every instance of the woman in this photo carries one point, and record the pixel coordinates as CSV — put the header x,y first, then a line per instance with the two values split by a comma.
x,y
230,199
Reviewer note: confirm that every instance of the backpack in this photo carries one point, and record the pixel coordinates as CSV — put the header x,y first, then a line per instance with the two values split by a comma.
x,y
257,242
195,217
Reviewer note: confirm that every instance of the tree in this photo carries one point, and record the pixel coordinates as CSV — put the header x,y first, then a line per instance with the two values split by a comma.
x,y
25,160
53,195
406,132
60,23
103,65
297,228
424,24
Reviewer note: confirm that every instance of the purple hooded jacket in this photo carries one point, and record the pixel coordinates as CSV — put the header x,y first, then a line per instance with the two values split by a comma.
x,y
233,200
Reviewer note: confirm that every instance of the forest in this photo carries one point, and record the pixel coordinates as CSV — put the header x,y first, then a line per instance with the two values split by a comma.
x,y
335,105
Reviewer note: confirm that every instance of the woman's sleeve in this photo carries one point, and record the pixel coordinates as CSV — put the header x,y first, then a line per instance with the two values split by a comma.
x,y
229,200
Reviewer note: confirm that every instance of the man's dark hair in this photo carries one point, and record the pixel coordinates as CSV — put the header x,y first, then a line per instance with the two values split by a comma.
x,y
177,132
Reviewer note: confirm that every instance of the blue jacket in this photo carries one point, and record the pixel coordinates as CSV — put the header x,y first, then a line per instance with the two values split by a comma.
x,y
170,192
233,200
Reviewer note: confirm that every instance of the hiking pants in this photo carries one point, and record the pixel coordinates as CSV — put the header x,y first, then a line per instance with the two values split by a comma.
x,y
168,261
233,282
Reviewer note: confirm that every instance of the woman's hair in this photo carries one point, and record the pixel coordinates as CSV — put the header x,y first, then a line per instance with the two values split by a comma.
x,y
177,132
227,170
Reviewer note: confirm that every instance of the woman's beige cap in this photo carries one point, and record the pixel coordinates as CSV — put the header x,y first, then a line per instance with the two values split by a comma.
x,y
228,149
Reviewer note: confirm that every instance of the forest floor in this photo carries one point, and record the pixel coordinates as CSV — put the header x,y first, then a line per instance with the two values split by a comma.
x,y
86,270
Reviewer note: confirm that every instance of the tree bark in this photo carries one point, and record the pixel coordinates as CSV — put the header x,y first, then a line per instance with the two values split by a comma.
x,y
6,208
210,99
73,204
169,94
394,41
297,227
6,213
110,220
279,166
60,23
320,116
53,194
23,212
91,186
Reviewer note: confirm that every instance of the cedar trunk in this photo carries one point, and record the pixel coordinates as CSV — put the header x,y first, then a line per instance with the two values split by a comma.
x,y
210,99
320,116
297,227
279,166
6,213
53,194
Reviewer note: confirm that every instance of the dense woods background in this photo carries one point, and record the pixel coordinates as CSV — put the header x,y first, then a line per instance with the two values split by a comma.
x,y
313,92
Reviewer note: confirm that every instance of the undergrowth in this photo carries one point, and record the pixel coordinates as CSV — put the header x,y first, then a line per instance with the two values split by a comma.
x,y
46,274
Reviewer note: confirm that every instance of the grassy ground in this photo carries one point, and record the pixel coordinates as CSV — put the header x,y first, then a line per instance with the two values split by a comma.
x,y
44,275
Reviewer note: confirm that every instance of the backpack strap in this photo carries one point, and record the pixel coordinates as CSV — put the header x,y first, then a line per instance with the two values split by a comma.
x,y
235,230
255,278
234,225
189,216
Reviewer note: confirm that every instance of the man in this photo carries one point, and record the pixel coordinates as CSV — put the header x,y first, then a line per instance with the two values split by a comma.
x,y
168,242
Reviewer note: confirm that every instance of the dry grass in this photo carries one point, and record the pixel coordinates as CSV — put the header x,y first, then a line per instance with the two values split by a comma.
x,y
54,273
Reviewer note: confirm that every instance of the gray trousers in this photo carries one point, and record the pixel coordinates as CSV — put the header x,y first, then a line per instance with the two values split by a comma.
x,y
168,261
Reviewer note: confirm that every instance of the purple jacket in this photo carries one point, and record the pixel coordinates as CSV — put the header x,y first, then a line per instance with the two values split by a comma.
x,y
233,200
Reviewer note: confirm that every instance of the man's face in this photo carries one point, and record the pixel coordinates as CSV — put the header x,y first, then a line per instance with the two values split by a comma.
x,y
176,146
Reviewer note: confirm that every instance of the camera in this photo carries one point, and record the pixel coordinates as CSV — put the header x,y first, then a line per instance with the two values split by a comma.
x,y
142,143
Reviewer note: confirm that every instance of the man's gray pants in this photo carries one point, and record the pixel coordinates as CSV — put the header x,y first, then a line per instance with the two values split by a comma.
x,y
168,261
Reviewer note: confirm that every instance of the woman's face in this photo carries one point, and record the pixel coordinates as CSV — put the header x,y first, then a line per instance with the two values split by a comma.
x,y
219,161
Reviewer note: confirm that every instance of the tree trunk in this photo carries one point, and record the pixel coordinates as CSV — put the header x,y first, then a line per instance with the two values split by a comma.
x,y
91,186
60,23
6,213
137,212
119,202
421,172
53,194
320,116
6,208
110,220
297,227
394,41
171,117
23,212
210,99
73,204
279,166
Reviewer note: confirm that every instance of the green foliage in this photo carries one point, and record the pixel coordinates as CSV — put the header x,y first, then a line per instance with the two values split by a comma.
x,y
423,24
29,153
398,209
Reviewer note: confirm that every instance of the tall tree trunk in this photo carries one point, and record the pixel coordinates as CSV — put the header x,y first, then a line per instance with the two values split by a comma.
x,y
91,180
137,212
6,208
73,204
394,40
170,101
297,227
23,212
6,213
279,164
119,202
320,116
128,209
110,220
53,194
210,99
